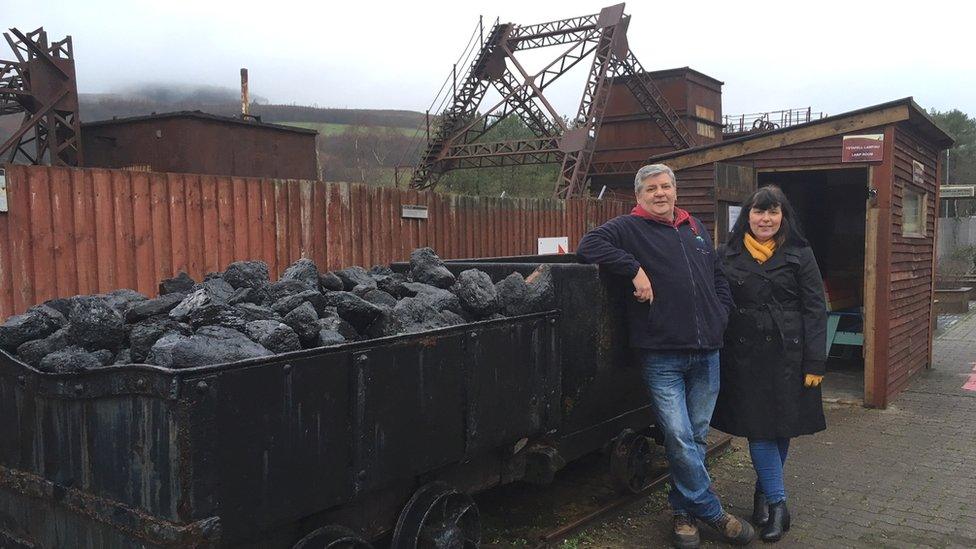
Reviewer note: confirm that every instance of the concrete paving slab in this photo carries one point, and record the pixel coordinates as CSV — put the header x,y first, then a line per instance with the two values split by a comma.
x,y
901,477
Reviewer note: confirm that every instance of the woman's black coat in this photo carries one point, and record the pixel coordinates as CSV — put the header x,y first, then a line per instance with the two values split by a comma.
x,y
776,334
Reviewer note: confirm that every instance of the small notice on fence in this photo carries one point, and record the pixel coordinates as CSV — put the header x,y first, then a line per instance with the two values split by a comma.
x,y
3,190
413,212
553,245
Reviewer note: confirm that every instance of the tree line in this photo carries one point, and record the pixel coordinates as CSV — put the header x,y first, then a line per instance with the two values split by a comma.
x,y
386,156
959,162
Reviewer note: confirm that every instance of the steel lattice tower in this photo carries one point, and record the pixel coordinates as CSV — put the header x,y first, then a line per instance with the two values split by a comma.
x,y
41,84
454,141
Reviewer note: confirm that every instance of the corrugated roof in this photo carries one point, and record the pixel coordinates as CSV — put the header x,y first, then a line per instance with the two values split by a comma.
x,y
917,117
199,115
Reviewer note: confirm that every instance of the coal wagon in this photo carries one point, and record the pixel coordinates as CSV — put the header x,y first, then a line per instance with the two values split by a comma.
x,y
332,447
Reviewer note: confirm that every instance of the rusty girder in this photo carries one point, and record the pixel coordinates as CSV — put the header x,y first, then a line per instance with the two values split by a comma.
x,y
517,98
463,109
510,102
653,102
454,144
41,84
522,104
504,153
580,142
552,33
616,167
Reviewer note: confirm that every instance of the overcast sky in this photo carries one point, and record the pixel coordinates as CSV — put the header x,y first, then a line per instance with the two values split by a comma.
x,y
834,56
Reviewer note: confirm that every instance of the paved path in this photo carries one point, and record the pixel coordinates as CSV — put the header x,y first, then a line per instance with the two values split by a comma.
x,y
901,477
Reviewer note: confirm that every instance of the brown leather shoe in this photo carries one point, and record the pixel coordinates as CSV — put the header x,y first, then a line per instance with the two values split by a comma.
x,y
684,532
733,529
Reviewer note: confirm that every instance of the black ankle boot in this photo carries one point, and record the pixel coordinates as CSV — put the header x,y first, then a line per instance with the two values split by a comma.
x,y
779,522
760,510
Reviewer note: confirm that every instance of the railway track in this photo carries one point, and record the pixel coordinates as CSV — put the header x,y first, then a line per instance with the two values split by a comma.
x,y
583,495
557,535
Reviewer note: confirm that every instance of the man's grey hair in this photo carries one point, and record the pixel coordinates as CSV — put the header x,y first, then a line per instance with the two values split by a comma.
x,y
650,171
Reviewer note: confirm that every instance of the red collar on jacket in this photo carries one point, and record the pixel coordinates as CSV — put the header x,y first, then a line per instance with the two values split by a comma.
x,y
680,216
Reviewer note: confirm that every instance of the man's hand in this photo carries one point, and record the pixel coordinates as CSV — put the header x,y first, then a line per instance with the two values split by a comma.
x,y
812,380
642,287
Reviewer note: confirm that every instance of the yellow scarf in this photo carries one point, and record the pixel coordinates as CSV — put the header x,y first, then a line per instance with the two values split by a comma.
x,y
760,251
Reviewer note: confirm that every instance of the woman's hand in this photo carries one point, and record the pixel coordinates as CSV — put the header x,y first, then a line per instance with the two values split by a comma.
x,y
812,381
642,287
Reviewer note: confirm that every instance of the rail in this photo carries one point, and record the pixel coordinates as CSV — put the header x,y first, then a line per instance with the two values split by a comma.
x,y
447,94
767,121
555,536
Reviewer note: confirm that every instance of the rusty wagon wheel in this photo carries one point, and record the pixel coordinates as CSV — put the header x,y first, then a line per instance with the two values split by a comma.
x,y
332,537
630,461
438,517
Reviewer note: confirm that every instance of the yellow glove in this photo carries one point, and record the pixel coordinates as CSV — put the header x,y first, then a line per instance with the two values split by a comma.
x,y
812,381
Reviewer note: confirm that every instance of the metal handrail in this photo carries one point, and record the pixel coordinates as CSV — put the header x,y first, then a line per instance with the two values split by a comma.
x,y
766,121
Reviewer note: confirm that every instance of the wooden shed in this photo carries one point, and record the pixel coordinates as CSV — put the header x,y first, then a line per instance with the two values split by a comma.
x,y
865,187
201,143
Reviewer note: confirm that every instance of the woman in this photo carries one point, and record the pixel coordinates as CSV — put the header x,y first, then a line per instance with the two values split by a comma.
x,y
773,360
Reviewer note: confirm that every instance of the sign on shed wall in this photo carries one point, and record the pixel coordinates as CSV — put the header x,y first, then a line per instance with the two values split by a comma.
x,y
863,148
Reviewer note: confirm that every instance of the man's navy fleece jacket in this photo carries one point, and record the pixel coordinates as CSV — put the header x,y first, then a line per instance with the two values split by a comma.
x,y
692,300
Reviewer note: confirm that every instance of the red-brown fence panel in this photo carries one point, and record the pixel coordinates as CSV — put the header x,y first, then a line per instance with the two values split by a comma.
x,y
71,231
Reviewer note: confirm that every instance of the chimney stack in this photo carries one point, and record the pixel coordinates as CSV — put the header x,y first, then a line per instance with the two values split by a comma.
x,y
245,98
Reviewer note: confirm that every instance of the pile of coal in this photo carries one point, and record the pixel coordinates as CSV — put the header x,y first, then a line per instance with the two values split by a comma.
x,y
240,313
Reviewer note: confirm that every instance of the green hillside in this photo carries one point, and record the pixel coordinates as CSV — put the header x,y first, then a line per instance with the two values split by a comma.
x,y
329,128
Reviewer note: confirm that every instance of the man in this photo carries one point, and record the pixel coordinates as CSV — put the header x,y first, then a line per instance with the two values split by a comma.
x,y
675,323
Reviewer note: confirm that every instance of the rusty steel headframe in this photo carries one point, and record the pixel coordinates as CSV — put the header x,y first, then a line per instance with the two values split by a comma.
x,y
453,142
41,84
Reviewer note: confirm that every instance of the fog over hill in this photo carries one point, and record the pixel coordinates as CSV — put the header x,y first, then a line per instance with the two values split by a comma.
x,y
370,147
148,98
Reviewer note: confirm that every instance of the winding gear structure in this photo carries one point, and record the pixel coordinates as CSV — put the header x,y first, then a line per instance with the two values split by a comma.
x,y
454,142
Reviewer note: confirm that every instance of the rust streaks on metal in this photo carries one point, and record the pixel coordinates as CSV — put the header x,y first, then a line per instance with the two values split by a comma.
x,y
41,85
131,521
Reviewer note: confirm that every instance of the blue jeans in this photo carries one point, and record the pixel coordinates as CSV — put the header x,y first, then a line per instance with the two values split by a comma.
x,y
683,386
768,459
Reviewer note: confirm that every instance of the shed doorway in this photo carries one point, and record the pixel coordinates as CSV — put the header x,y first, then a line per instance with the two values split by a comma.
x,y
831,205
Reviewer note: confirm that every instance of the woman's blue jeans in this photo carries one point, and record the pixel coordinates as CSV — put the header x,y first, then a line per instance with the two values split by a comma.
x,y
768,459
683,387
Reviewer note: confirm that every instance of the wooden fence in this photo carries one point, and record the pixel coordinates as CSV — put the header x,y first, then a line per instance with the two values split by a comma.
x,y
79,231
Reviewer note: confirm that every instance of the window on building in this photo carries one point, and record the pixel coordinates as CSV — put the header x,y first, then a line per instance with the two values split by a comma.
x,y
913,213
704,112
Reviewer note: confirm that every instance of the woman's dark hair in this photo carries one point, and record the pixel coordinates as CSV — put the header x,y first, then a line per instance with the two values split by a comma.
x,y
764,199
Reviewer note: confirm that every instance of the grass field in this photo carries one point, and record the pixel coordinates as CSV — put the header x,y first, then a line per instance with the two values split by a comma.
x,y
326,128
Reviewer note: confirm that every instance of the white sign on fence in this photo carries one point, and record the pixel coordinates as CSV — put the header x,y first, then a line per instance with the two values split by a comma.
x,y
553,245
411,211
3,190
